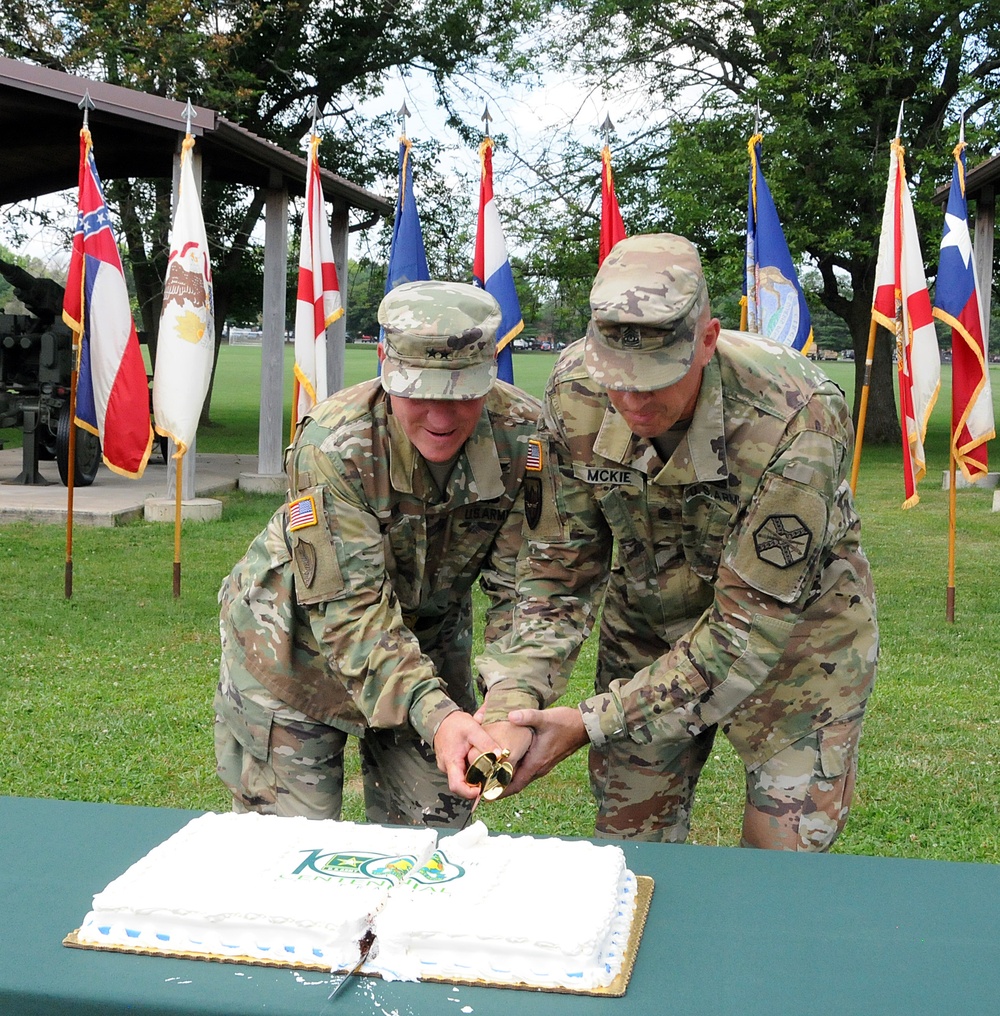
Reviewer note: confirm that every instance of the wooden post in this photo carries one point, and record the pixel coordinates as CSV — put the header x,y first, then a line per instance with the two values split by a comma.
x,y
271,431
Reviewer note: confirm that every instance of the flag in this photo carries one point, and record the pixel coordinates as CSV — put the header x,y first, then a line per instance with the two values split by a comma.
x,y
956,303
318,304
902,304
775,304
185,345
407,258
112,395
491,266
612,227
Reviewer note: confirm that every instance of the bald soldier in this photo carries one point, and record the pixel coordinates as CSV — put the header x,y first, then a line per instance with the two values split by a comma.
x,y
351,613
700,475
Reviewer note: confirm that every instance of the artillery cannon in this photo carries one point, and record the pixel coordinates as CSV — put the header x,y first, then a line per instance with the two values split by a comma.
x,y
36,362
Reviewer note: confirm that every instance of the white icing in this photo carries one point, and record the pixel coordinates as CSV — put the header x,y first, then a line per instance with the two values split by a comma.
x,y
547,912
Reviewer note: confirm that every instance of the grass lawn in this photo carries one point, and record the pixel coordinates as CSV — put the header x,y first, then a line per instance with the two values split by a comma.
x,y
107,697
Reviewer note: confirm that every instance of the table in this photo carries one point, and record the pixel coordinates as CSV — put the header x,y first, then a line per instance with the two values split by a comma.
x,y
729,931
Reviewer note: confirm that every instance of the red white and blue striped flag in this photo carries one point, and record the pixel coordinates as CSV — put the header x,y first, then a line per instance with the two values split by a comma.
x,y
491,266
112,396
956,303
903,305
318,304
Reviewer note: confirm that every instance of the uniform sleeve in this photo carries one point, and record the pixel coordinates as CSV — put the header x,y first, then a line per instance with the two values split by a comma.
x,y
341,582
770,570
560,577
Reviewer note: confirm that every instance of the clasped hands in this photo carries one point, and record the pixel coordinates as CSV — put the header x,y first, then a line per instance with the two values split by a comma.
x,y
537,739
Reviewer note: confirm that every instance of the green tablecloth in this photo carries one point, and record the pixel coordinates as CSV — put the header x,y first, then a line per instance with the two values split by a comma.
x,y
729,931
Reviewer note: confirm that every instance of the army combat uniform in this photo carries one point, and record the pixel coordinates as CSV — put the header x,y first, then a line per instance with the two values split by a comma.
x,y
351,613
738,598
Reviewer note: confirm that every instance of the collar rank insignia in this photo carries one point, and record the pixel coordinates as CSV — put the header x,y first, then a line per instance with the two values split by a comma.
x,y
302,513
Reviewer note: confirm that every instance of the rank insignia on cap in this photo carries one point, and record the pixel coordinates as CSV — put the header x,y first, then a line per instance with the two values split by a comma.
x,y
782,540
534,461
301,513
631,337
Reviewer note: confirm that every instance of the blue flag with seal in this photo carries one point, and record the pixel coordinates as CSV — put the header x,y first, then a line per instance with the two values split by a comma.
x,y
407,257
774,304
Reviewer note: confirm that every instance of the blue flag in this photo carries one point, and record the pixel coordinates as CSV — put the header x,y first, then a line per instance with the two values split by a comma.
x,y
491,266
407,258
775,304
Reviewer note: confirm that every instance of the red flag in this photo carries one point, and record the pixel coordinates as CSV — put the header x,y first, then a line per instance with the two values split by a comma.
x,y
318,303
956,302
612,227
112,397
902,304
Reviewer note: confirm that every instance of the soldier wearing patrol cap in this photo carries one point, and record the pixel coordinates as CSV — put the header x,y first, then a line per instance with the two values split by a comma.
x,y
350,614
700,476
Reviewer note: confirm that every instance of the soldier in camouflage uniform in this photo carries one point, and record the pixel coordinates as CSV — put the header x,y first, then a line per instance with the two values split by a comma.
x,y
351,613
700,475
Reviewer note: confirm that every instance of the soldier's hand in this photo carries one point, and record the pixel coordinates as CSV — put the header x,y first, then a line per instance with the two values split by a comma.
x,y
459,739
558,732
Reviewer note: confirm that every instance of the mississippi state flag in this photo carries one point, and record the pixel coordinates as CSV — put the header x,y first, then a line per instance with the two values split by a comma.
x,y
903,305
491,266
318,304
112,395
612,227
956,302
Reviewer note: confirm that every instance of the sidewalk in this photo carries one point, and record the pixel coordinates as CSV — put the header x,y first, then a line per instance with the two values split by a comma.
x,y
111,500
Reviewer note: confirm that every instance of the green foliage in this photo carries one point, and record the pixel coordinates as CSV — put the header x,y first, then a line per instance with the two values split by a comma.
x,y
827,79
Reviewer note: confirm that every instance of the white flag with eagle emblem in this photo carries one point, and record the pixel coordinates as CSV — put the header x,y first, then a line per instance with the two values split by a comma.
x,y
185,344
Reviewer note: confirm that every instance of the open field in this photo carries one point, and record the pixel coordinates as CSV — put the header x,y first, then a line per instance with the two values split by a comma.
x,y
107,697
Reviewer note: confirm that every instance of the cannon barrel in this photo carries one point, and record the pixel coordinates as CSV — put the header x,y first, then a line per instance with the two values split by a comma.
x,y
42,297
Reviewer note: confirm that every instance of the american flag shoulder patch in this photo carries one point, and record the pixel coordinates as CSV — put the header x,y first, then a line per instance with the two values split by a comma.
x,y
301,513
534,460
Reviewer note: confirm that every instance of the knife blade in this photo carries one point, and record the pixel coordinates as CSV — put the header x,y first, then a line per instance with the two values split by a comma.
x,y
367,941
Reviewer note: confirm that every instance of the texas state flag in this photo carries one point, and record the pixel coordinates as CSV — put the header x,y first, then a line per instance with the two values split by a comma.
x,y
956,302
491,266
112,395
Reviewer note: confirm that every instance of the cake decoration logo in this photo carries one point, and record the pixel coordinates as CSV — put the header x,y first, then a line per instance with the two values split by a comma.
x,y
437,871
390,868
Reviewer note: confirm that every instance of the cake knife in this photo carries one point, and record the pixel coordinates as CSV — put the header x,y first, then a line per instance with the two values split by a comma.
x,y
367,941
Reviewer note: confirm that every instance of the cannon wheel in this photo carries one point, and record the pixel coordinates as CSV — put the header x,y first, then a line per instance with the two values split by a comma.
x,y
88,452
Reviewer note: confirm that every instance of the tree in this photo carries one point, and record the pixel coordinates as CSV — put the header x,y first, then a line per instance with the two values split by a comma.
x,y
262,65
829,78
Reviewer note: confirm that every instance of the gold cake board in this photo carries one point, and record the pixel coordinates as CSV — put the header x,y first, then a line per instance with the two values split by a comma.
x,y
643,897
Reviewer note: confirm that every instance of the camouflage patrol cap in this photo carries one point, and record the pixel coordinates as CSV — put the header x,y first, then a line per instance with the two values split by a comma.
x,y
645,303
439,340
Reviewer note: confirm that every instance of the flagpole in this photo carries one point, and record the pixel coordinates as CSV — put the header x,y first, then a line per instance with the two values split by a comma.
x,y
859,436
949,611
86,104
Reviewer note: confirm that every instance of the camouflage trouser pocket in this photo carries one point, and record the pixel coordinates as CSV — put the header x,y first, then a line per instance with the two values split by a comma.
x,y
249,722
799,799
